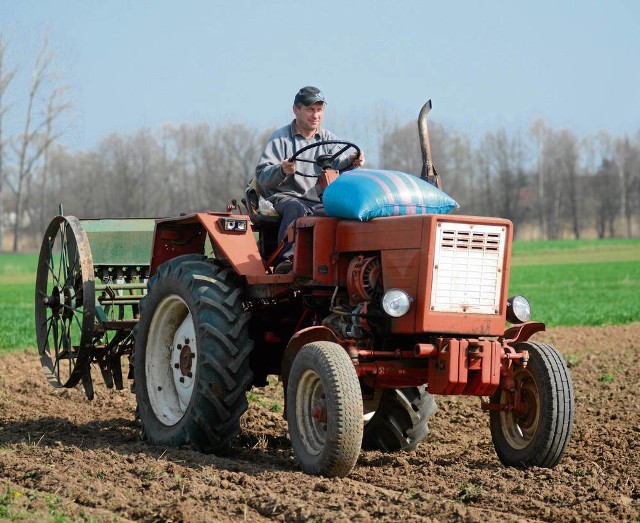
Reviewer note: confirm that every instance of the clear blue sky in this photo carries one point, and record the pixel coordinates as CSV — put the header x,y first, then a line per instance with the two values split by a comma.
x,y
484,64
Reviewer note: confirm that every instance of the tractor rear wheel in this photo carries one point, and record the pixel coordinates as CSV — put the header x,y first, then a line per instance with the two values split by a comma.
x,y
191,359
537,432
324,410
399,420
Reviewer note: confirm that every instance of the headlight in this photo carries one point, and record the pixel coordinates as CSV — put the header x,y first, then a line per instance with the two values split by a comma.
x,y
518,309
396,302
234,224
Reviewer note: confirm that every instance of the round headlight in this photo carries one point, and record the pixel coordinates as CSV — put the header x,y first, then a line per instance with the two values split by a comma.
x,y
396,302
518,309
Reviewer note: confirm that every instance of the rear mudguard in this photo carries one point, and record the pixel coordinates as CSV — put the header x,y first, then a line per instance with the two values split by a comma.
x,y
187,234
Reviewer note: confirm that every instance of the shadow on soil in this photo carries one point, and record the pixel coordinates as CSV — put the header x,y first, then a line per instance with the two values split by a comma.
x,y
122,435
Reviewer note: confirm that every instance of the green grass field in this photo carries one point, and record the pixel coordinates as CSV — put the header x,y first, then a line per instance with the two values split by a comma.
x,y
17,295
586,282
590,282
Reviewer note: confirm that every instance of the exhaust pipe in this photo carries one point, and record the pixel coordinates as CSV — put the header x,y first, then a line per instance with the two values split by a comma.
x,y
428,170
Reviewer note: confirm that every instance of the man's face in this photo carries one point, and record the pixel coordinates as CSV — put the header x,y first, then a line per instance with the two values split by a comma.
x,y
309,117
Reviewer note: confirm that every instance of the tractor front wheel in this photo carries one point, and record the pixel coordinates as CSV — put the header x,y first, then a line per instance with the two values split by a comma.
x,y
324,410
191,359
535,430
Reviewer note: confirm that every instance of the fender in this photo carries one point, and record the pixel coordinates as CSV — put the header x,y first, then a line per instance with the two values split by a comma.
x,y
523,331
299,340
187,234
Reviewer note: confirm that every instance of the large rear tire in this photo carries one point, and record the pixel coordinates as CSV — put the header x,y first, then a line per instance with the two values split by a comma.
x,y
538,434
324,410
191,360
400,420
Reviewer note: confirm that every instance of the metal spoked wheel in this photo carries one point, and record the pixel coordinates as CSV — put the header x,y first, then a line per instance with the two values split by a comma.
x,y
65,302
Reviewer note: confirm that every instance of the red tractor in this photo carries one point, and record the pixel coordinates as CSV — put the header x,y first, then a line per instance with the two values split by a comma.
x,y
375,318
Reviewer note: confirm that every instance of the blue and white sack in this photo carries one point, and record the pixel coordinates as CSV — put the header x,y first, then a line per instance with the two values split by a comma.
x,y
363,194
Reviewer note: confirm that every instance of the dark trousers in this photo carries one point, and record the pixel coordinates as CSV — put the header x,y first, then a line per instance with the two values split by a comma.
x,y
291,209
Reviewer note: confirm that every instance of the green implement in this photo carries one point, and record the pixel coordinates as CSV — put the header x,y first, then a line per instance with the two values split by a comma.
x,y
91,277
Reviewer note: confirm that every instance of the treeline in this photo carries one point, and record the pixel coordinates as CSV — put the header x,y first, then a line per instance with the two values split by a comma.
x,y
550,183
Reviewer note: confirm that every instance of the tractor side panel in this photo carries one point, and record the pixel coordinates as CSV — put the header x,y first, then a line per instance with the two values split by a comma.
x,y
314,249
380,234
401,269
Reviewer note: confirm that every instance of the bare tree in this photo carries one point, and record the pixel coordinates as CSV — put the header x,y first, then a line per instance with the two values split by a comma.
x,y
240,151
458,170
38,132
566,169
503,164
56,105
627,159
540,132
6,76
606,200
601,184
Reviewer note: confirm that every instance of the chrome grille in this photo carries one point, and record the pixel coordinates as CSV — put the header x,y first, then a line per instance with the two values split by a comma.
x,y
468,268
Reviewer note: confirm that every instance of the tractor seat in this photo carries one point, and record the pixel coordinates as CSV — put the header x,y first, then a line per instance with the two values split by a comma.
x,y
264,219
260,210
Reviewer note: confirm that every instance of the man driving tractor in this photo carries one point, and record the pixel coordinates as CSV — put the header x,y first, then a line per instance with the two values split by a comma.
x,y
291,186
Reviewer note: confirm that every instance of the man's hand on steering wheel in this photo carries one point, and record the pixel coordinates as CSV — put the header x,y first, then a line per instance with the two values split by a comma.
x,y
325,161
288,167
356,160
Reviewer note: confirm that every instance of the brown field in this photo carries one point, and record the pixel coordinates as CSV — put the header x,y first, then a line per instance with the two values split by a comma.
x,y
63,458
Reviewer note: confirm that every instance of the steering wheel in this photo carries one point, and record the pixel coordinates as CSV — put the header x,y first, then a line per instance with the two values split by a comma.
x,y
324,161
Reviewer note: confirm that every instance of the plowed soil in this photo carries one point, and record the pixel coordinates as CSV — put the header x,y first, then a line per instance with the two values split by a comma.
x,y
62,456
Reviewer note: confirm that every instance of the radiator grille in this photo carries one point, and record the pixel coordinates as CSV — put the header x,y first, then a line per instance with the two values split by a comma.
x,y
468,267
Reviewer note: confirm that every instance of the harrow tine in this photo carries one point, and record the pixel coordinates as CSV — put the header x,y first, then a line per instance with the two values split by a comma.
x,y
116,371
105,369
87,382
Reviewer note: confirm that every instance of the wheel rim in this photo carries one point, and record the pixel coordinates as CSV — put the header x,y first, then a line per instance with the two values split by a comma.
x,y
519,427
65,302
171,360
311,412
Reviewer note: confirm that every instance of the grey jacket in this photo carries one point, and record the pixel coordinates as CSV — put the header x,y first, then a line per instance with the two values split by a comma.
x,y
283,143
